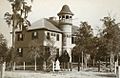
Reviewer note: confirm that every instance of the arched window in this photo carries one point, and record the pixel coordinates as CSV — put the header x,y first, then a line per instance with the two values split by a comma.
x,y
67,17
70,16
63,17
59,17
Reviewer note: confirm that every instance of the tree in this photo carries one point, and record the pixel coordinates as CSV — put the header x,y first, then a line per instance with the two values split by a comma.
x,y
47,53
94,49
111,35
84,37
3,48
18,18
35,51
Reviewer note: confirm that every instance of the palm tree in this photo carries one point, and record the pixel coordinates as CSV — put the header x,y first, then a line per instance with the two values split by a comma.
x,y
16,19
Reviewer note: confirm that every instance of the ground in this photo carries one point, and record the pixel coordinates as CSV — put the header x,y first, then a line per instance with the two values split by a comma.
x,y
61,74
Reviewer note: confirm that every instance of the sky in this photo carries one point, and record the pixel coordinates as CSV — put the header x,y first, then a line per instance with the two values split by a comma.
x,y
84,10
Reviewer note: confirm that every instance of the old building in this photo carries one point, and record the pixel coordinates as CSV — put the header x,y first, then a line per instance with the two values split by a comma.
x,y
60,31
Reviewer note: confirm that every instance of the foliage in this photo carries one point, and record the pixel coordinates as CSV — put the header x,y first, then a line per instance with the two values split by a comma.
x,y
39,51
111,38
18,18
3,48
84,38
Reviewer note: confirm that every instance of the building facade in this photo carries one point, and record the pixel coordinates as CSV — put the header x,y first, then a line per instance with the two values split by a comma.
x,y
61,32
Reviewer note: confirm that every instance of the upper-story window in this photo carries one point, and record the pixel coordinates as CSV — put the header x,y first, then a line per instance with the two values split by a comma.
x,y
70,16
34,35
60,17
52,34
20,37
73,40
20,52
67,17
48,35
57,37
63,17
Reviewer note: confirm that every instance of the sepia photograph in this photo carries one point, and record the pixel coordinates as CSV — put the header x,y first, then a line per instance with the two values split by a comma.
x,y
59,39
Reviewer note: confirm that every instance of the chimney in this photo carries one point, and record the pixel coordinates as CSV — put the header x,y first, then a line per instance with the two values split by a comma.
x,y
52,18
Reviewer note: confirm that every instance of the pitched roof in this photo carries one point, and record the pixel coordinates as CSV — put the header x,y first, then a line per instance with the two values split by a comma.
x,y
65,10
43,23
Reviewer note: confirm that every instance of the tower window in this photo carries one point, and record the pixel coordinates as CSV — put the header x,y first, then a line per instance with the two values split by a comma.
x,y
34,35
63,17
70,16
67,17
20,37
59,17
57,37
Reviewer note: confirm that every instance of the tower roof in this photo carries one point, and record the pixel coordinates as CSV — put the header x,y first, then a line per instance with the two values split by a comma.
x,y
65,10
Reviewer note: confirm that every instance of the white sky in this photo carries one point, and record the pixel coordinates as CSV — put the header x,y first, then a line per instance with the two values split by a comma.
x,y
85,10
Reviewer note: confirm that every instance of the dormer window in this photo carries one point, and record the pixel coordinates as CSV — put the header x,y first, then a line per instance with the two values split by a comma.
x,y
20,37
34,35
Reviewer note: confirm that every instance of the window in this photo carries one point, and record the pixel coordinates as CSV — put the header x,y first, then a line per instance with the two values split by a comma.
x,y
48,36
60,17
73,40
20,52
52,34
70,16
57,51
64,41
47,51
34,35
20,37
57,37
63,17
67,17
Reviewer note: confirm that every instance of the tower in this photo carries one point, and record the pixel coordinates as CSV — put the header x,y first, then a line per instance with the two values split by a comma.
x,y
65,24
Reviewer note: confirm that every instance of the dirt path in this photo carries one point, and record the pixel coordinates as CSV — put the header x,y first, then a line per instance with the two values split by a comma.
x,y
61,74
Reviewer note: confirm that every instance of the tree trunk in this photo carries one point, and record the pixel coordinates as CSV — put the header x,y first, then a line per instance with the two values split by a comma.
x,y
106,60
82,61
93,62
13,46
35,63
70,66
111,61
85,60
44,65
99,66
79,63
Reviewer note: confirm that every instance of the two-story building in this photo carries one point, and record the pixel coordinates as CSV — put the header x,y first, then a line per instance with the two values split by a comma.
x,y
60,31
